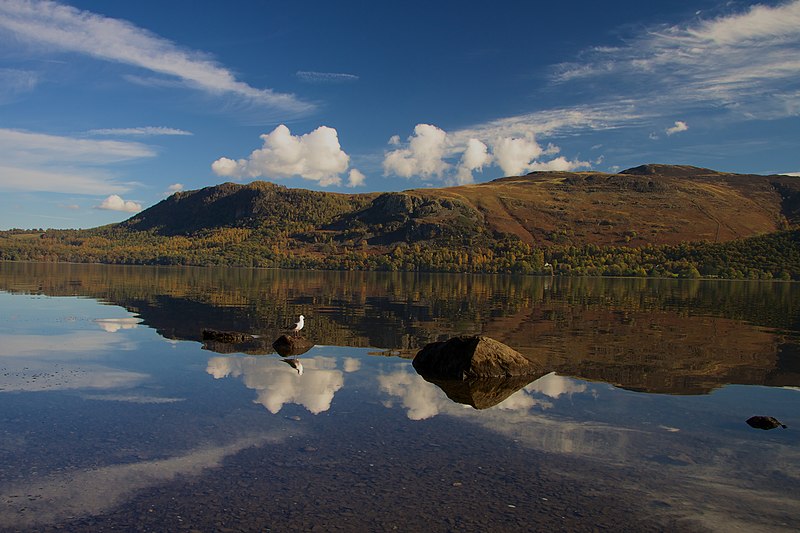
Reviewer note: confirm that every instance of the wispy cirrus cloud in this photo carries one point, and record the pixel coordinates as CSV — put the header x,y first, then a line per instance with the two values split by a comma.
x,y
53,163
743,65
310,76
46,148
52,180
746,62
561,122
68,29
14,82
140,131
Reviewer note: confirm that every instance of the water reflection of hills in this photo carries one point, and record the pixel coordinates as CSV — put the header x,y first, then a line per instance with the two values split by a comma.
x,y
680,337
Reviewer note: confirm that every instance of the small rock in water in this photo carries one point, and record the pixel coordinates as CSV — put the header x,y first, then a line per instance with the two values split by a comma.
x,y
764,422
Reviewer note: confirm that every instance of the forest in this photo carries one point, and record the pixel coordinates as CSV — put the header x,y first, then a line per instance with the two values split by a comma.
x,y
771,256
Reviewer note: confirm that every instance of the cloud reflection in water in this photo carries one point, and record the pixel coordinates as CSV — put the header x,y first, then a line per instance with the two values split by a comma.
x,y
278,384
520,416
57,496
113,325
32,362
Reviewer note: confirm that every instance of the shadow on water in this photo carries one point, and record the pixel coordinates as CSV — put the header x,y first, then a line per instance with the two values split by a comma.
x,y
662,336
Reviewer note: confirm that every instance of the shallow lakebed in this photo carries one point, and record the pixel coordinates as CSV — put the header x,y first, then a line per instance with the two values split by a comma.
x,y
115,415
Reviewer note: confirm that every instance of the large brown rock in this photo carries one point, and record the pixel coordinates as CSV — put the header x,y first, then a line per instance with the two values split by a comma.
x,y
473,357
287,345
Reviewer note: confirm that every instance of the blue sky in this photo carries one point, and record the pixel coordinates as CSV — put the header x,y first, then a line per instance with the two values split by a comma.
x,y
108,107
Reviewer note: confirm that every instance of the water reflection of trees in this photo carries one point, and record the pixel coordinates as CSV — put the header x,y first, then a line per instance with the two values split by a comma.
x,y
658,335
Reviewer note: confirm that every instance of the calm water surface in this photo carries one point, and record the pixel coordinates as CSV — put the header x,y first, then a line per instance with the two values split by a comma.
x,y
115,415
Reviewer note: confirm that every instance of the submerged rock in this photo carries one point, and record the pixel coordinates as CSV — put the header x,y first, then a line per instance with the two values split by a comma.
x,y
231,337
287,345
469,357
764,422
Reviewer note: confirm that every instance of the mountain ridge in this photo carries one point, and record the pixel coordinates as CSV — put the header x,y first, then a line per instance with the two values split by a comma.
x,y
652,220
654,203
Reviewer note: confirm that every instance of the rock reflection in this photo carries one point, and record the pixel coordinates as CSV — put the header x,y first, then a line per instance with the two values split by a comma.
x,y
423,397
420,399
661,336
278,384
481,393
520,416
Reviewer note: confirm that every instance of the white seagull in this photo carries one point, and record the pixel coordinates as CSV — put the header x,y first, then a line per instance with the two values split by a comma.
x,y
297,325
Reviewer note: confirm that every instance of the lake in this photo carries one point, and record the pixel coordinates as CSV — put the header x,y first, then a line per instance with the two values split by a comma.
x,y
115,414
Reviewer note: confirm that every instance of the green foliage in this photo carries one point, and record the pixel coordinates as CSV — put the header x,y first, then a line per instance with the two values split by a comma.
x,y
771,256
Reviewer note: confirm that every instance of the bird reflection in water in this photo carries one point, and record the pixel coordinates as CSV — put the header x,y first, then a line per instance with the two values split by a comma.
x,y
296,364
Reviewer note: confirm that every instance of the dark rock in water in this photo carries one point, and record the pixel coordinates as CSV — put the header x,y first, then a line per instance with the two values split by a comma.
x,y
287,345
470,357
764,422
256,346
231,337
481,393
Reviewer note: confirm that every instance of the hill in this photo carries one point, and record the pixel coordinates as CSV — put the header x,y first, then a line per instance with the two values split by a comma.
x,y
232,205
656,204
636,222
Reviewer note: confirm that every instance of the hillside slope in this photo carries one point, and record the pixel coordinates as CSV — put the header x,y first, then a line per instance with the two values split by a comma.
x,y
656,204
653,220
242,206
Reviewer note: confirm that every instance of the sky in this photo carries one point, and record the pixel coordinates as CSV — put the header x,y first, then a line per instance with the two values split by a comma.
x,y
107,108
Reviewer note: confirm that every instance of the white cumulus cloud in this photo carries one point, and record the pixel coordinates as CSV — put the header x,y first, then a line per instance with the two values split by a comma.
x,y
512,147
560,164
172,189
514,154
116,203
423,156
355,178
475,157
315,156
225,167
677,128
